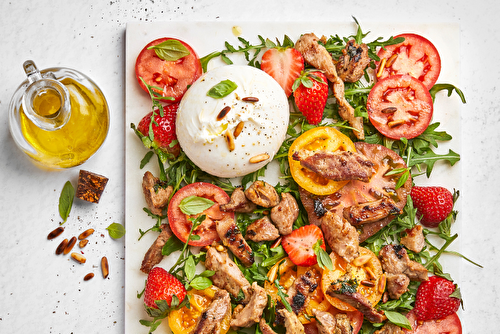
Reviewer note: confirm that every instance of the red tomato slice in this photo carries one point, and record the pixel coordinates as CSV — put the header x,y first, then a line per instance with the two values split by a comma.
x,y
174,77
416,56
179,222
400,106
449,325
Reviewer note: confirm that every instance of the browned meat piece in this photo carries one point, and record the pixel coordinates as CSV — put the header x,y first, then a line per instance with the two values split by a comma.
x,y
231,237
154,256
302,289
390,328
252,312
340,235
336,166
358,301
327,323
227,274
397,284
351,65
265,328
414,239
395,260
262,230
262,194
285,213
371,211
155,193
210,320
238,202
317,56
292,323
343,324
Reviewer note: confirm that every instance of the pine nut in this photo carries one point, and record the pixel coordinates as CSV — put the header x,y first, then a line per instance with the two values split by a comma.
x,y
229,140
389,110
250,99
88,277
104,267
398,122
223,113
259,158
381,283
381,68
78,257
86,234
391,60
70,245
219,248
361,260
57,232
83,243
61,247
370,273
369,284
238,129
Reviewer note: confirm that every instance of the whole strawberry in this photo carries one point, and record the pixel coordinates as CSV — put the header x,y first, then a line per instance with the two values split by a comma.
x,y
161,285
310,93
163,129
436,298
433,204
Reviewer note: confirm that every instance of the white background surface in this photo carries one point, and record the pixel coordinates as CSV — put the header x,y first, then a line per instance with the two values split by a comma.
x,y
44,293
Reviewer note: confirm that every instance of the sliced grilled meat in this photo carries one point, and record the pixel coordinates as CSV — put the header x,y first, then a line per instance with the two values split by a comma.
x,y
227,275
351,65
262,230
154,256
370,212
210,320
336,166
285,213
341,236
397,284
156,193
262,194
292,322
414,239
390,328
265,328
302,288
327,323
238,202
395,260
252,312
231,237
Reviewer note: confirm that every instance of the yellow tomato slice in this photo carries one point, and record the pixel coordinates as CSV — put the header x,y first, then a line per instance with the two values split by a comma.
x,y
320,138
183,320
366,269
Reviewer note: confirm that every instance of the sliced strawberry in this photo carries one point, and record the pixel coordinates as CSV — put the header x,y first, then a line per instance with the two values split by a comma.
x,y
299,245
161,285
284,65
163,130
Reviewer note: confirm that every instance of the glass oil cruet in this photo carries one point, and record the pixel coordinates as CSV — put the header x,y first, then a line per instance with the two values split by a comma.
x,y
58,116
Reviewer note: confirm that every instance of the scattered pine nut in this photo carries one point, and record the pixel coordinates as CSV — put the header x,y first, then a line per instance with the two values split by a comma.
x,y
78,257
381,283
70,245
223,113
250,99
381,68
88,277
62,246
83,243
229,140
361,260
57,232
259,158
86,234
391,60
104,267
238,129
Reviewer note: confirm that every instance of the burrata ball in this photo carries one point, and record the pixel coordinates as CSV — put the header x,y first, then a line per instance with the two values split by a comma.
x,y
238,133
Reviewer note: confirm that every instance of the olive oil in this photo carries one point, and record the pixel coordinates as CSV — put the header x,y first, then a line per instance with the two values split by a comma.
x,y
79,138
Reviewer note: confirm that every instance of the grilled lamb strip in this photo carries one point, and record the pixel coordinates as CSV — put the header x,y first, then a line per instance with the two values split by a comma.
x,y
301,290
292,322
336,166
262,230
262,194
227,274
358,301
327,323
340,235
318,56
395,260
210,320
351,65
154,256
414,239
238,202
397,284
231,237
370,212
155,193
390,328
285,213
252,312
265,328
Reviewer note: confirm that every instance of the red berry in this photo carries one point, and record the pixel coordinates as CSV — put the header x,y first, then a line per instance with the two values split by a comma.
x,y
311,95
163,130
284,65
433,299
299,245
161,285
433,204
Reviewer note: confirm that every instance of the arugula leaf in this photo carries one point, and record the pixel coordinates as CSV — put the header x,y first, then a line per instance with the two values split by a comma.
x,y
428,158
449,87
66,201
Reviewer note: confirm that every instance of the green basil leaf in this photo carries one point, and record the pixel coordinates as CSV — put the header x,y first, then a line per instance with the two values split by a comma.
x,y
207,273
66,201
193,205
190,268
170,50
223,88
324,260
200,283
116,230
398,319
